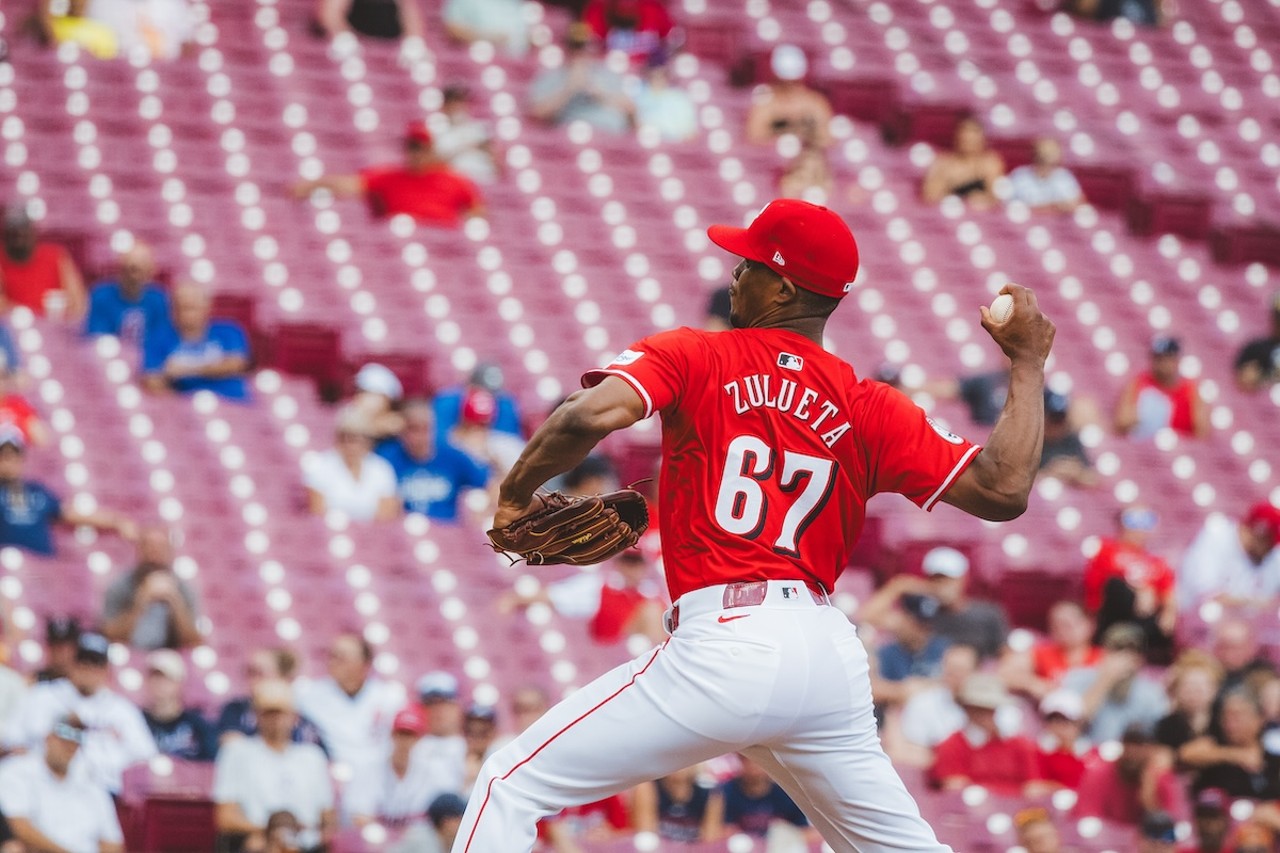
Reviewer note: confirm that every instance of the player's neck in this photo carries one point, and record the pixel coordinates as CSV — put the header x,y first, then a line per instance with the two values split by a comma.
x,y
808,327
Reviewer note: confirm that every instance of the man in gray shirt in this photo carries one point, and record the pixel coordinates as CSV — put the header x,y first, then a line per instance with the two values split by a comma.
x,y
582,89
151,608
1116,695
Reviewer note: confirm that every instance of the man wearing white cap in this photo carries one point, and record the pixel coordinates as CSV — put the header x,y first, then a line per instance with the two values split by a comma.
x,y
378,390
980,754
1062,749
787,105
179,732
981,624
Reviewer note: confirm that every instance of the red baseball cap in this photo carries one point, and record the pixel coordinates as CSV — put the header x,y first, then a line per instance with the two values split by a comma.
x,y
479,407
411,719
807,243
1264,517
417,132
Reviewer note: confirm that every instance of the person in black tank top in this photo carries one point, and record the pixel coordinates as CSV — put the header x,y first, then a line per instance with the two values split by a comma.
x,y
679,809
382,19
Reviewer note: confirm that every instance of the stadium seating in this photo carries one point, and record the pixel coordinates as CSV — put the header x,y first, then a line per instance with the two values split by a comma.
x,y
592,242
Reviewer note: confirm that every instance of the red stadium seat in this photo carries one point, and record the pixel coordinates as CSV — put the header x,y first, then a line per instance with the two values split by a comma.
x,y
308,349
1159,213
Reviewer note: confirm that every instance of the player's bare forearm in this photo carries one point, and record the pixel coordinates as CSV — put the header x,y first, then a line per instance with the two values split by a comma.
x,y
566,438
998,483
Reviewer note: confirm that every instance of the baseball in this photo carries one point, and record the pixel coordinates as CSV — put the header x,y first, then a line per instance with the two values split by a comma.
x,y
1001,309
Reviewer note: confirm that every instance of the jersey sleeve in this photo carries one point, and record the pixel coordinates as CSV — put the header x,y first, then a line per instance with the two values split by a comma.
x,y
659,368
908,453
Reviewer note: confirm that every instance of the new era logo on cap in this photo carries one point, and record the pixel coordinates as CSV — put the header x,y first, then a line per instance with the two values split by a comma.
x,y
790,362
778,259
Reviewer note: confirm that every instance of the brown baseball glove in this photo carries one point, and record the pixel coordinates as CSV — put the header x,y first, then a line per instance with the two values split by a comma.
x,y
575,530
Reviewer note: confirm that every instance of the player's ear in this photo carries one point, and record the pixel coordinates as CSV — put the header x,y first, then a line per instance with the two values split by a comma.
x,y
787,291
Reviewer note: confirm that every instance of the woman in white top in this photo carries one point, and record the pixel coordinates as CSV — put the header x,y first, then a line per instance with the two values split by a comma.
x,y
350,478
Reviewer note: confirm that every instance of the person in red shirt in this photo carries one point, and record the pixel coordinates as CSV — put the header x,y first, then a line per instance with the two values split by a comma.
x,y
1062,750
1161,397
1140,780
423,187
638,28
979,754
601,820
1037,671
1125,582
38,275
16,411
771,448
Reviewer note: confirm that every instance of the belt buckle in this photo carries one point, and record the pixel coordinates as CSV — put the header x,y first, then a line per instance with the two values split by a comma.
x,y
745,594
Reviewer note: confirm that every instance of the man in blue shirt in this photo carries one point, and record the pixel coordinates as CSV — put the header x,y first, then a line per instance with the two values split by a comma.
x,y
917,652
448,404
196,353
753,802
131,306
28,510
431,473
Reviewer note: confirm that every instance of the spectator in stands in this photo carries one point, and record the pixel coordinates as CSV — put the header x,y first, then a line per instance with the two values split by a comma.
x,y
28,510
131,305
378,395
237,719
1210,821
153,29
116,734
462,140
1157,833
638,28
808,176
968,171
601,820
444,748
35,273
933,714
1193,682
1258,364
753,802
350,477
594,475
980,754
528,704
1036,830
444,817
1238,759
1139,780
195,352
1125,582
617,600
787,105
716,318
1038,671
380,19
486,376
179,732
663,107
15,410
431,476
424,187
1063,455
499,22
914,658
258,776
582,89
476,436
1236,646
50,807
1062,749
1233,562
1162,398
678,808
1149,13
1045,184
61,634
352,707
1116,694
480,730
399,786
981,624
151,607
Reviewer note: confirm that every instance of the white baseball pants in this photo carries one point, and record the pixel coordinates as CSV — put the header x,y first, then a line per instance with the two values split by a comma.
x,y
785,682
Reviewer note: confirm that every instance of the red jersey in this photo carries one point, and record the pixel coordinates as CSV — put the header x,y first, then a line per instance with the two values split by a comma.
x,y
1180,398
1004,765
771,448
438,196
617,606
27,282
1140,569
1050,660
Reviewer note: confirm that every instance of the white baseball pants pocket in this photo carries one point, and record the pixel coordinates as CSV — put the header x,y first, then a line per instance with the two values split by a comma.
x,y
785,682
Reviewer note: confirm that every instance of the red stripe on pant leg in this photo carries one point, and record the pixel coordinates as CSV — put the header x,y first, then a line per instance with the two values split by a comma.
x,y
489,789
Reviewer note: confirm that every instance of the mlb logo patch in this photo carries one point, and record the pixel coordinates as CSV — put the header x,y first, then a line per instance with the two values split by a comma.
x,y
790,592
790,362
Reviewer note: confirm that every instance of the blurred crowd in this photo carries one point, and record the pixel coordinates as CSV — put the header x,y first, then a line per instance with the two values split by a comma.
x,y
1108,705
